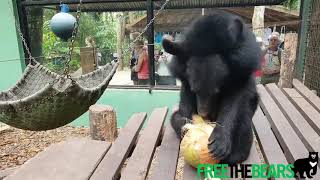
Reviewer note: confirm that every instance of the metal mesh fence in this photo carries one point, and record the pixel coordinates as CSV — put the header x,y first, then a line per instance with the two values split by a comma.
x,y
312,57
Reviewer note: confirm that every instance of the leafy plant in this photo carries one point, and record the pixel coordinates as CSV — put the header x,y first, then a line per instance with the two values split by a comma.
x,y
292,4
101,26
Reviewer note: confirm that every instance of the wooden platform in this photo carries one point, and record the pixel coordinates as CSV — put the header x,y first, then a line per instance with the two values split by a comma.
x,y
286,128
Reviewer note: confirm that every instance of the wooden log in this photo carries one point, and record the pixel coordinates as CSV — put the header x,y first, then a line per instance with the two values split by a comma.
x,y
103,123
288,59
88,59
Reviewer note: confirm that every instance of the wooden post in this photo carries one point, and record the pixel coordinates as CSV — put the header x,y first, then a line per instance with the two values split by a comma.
x,y
258,21
120,39
103,123
87,59
288,60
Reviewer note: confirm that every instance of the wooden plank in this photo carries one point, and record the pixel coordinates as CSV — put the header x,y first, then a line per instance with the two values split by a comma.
x,y
253,157
139,163
307,93
305,108
109,168
6,172
72,159
290,142
267,141
305,132
269,145
190,173
168,156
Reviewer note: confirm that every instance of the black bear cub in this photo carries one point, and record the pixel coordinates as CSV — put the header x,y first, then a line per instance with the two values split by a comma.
x,y
306,165
215,62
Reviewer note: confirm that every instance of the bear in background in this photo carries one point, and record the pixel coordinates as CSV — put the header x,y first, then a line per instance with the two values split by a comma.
x,y
215,62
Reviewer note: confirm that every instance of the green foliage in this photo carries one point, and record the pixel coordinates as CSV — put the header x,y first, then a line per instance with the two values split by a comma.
x,y
292,4
102,27
106,36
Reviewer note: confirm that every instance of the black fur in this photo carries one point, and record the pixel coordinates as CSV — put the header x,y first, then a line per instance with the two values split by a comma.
x,y
215,63
302,166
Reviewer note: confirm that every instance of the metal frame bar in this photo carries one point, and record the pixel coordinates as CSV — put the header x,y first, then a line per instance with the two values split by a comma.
x,y
23,20
150,34
302,38
157,87
57,2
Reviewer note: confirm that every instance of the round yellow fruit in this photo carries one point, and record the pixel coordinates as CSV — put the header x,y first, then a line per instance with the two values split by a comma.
x,y
194,145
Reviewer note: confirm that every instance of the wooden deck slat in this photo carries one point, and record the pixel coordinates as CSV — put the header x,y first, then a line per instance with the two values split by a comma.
x,y
307,93
190,173
306,133
305,108
72,159
139,163
292,145
267,141
6,172
290,142
253,156
167,158
272,154
111,164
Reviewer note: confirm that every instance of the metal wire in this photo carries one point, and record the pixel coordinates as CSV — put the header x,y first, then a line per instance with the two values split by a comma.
x,y
312,53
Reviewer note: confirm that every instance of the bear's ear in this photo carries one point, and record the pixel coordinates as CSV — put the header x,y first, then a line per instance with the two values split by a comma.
x,y
171,47
236,29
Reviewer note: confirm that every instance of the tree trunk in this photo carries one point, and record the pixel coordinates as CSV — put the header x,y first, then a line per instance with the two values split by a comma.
x,y
35,23
258,21
120,39
288,60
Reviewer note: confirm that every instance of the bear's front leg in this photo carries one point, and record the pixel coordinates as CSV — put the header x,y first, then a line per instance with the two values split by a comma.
x,y
187,108
220,141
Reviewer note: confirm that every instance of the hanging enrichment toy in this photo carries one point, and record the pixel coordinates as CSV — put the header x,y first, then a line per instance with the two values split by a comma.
x,y
62,24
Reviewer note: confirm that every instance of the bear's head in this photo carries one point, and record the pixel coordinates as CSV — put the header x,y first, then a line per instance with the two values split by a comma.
x,y
313,156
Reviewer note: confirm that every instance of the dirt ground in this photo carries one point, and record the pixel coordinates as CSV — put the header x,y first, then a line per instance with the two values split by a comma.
x,y
17,146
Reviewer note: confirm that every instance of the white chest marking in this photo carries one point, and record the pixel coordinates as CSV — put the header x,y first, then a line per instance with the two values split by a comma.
x,y
313,164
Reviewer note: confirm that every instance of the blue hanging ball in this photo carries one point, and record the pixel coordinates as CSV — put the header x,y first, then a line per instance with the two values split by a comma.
x,y
62,24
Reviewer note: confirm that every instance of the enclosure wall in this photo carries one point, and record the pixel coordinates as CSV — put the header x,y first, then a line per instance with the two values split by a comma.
x,y
11,52
312,53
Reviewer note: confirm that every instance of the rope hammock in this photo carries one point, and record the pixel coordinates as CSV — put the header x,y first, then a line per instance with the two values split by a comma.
x,y
44,100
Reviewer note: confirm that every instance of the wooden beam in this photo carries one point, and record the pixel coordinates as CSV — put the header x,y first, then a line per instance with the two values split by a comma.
x,y
283,10
282,23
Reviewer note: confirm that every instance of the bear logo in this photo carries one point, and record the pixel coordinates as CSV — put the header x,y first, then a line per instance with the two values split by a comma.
x,y
302,166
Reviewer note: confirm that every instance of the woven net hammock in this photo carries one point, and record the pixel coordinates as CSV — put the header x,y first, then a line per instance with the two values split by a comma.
x,y
44,100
